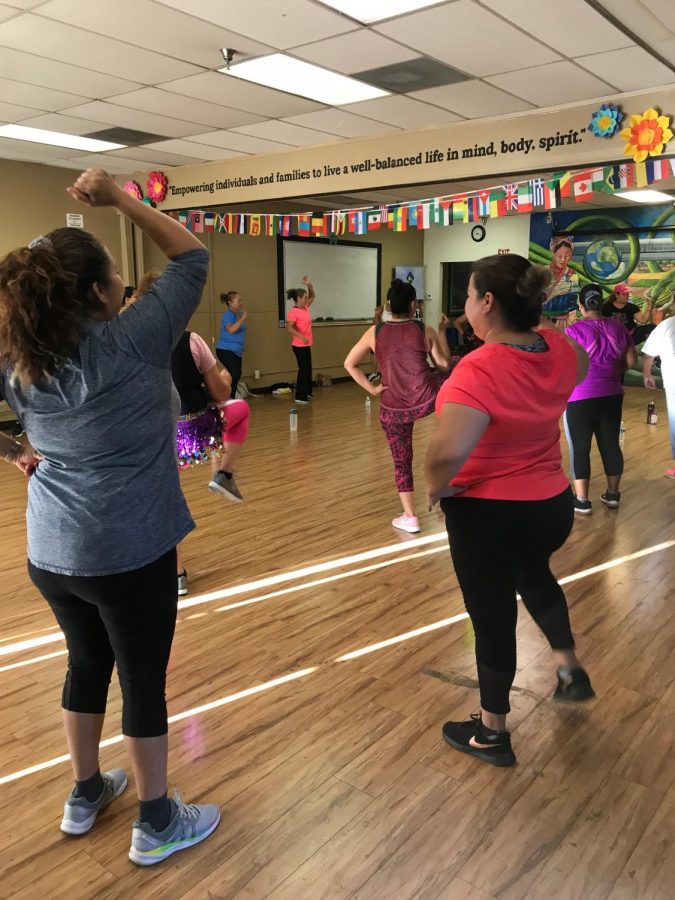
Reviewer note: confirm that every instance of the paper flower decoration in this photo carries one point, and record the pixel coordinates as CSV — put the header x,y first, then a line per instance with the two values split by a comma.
x,y
149,201
134,188
156,186
646,135
605,121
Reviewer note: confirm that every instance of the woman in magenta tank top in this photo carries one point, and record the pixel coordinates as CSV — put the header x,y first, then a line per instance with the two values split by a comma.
x,y
409,385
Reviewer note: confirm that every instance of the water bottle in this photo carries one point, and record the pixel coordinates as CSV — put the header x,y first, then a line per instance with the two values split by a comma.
x,y
293,419
622,432
652,417
367,403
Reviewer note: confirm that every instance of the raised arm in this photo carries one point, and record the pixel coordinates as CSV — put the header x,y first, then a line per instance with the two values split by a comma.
x,y
234,327
311,293
356,356
96,188
644,317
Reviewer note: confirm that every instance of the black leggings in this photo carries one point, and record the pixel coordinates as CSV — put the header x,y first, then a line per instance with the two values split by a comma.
x,y
599,416
303,386
498,548
232,363
127,619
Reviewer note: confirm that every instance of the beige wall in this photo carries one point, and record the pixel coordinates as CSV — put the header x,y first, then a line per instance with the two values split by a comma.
x,y
34,201
249,265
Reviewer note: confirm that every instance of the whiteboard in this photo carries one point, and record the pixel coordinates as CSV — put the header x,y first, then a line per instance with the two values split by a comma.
x,y
346,277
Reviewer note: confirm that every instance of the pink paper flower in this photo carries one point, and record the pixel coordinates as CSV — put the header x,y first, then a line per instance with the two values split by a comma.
x,y
156,186
134,188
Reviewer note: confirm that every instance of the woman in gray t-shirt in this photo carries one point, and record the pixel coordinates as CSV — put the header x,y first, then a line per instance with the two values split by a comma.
x,y
105,509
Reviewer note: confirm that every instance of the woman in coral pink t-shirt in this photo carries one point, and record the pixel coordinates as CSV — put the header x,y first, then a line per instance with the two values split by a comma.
x,y
495,464
299,324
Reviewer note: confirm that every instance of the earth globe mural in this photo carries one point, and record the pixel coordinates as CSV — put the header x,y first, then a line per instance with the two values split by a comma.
x,y
602,259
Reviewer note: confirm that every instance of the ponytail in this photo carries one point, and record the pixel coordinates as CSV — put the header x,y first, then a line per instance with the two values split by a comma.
x,y
295,294
45,297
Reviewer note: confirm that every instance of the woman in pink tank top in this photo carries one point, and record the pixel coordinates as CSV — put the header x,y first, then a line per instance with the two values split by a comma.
x,y
409,385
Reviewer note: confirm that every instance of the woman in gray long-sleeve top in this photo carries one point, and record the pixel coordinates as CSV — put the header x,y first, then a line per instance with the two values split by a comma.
x,y
105,509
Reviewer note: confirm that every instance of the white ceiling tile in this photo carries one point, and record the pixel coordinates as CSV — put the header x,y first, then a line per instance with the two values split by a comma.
x,y
341,123
402,111
560,82
36,97
279,23
7,12
178,107
630,69
92,51
64,124
574,29
101,111
636,18
472,99
286,133
29,150
60,76
155,157
244,143
203,151
469,38
109,163
355,52
663,10
237,94
22,4
150,26
9,112
666,49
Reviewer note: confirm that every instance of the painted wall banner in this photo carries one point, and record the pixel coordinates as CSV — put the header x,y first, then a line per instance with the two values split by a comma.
x,y
540,139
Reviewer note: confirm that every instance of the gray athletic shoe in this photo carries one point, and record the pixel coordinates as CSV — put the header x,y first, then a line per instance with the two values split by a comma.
x,y
226,487
189,825
182,583
79,814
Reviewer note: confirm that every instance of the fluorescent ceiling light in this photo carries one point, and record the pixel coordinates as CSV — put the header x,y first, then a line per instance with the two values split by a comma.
x,y
646,196
375,10
56,139
304,79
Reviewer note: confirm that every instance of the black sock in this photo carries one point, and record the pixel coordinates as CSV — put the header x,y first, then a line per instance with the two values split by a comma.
x,y
91,788
226,473
157,813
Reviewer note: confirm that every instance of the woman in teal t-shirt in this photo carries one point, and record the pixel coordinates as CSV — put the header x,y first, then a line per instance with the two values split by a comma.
x,y
230,346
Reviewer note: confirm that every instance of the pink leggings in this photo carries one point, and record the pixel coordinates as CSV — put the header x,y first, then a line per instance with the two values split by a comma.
x,y
236,414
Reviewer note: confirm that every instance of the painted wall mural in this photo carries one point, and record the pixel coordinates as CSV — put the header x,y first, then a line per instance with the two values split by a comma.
x,y
635,245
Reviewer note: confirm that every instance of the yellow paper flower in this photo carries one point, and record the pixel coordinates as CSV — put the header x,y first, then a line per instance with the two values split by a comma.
x,y
646,135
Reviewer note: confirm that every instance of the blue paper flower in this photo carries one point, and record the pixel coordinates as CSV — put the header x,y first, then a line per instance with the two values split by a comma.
x,y
605,121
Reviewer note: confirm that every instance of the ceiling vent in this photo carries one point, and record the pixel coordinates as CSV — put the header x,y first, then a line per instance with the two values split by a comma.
x,y
411,75
127,136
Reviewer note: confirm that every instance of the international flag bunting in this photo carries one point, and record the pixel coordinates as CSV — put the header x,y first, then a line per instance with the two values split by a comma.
x,y
564,179
511,197
285,223
255,226
435,211
525,198
484,204
660,169
241,223
304,225
412,215
460,209
446,212
401,218
270,223
621,177
373,219
196,221
473,214
183,217
338,224
209,221
537,191
497,204
319,226
583,186
423,216
357,222
552,198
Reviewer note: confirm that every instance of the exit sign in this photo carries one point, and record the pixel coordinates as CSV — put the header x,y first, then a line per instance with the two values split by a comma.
x,y
503,251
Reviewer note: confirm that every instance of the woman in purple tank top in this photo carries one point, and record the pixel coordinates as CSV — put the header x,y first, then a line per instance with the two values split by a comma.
x,y
594,407
409,385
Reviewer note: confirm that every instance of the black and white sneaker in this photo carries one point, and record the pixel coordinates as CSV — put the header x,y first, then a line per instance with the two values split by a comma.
x,y
611,499
226,486
493,747
182,583
583,507
573,684
303,402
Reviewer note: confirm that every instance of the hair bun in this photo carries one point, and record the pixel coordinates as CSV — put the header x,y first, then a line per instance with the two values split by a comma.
x,y
533,284
590,297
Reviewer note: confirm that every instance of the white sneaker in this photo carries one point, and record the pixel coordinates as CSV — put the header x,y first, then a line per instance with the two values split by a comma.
x,y
406,523
189,825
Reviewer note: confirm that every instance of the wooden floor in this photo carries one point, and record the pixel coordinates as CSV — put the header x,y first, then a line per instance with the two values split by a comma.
x,y
331,773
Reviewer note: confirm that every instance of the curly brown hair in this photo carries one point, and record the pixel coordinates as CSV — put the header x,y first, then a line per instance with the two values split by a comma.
x,y
46,297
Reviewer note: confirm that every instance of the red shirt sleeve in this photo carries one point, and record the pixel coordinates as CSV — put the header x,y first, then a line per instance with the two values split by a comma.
x,y
471,384
292,315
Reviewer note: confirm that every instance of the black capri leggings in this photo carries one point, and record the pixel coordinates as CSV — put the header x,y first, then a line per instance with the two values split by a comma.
x,y
128,619
599,416
232,362
498,548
